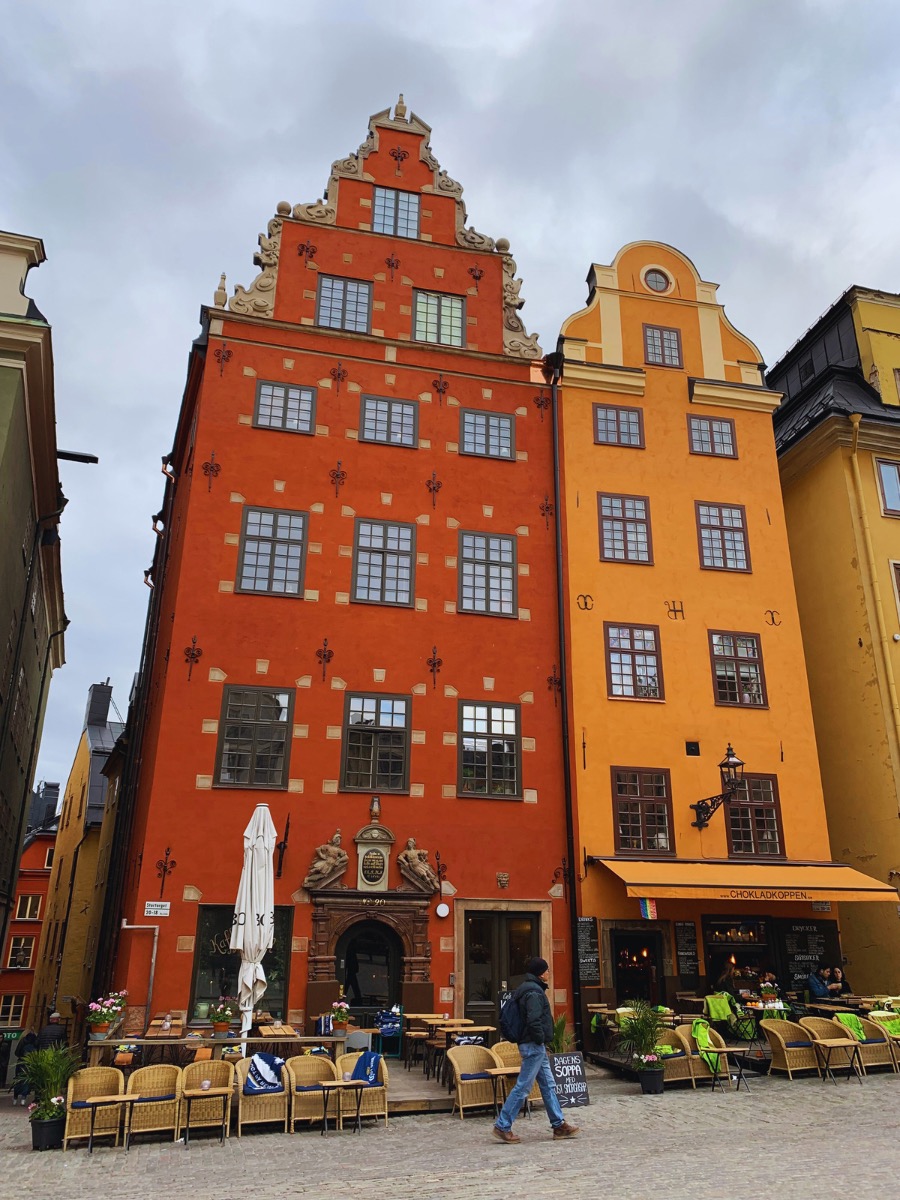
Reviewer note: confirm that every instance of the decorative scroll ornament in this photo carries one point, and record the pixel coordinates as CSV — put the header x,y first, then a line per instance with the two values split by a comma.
x,y
259,299
542,403
392,262
516,341
440,386
164,868
554,685
338,477
307,250
434,665
434,485
339,375
192,655
324,655
223,355
211,469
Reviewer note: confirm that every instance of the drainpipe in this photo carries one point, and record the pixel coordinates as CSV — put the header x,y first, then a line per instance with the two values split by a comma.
x,y
555,361
871,567
155,929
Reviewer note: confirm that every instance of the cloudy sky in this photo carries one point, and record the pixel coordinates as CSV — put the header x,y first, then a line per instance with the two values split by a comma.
x,y
148,144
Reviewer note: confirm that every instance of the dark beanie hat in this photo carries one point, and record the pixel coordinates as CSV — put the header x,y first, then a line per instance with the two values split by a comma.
x,y
536,966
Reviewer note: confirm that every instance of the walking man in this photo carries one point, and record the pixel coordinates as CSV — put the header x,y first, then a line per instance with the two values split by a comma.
x,y
537,1032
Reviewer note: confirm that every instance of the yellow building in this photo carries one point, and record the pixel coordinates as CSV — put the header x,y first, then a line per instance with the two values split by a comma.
x,y
838,435
683,640
76,891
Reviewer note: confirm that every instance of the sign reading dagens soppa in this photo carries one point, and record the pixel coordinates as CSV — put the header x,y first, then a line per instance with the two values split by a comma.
x,y
570,1079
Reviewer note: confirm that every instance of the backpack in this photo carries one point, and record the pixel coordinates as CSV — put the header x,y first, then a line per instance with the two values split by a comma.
x,y
512,1019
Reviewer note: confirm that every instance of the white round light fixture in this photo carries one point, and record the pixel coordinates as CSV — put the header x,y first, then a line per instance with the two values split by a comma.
x,y
443,910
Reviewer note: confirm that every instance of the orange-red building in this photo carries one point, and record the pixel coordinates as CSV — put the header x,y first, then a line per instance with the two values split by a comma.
x,y
354,597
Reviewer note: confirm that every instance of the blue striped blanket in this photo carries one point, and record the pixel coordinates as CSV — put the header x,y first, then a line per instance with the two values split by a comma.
x,y
264,1075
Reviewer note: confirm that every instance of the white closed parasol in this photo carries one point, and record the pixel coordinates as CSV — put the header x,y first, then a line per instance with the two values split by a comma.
x,y
253,929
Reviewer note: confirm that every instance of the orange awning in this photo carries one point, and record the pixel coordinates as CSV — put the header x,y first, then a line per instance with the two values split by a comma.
x,y
746,881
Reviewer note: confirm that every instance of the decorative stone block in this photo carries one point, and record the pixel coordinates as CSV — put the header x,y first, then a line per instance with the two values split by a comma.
x,y
217,675
204,782
191,894
295,785
378,674
226,585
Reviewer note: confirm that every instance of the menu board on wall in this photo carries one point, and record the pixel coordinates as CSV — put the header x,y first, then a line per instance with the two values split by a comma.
x,y
686,947
801,945
588,949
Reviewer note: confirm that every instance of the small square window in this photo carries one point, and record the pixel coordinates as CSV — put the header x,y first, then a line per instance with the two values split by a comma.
x,y
615,425
439,318
376,743
889,478
490,750
737,669
272,552
722,531
396,213
625,529
662,346
344,304
712,436
487,574
384,558
283,406
633,662
489,435
392,422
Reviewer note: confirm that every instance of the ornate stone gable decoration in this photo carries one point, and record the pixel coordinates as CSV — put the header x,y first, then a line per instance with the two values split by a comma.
x,y
328,865
373,849
259,299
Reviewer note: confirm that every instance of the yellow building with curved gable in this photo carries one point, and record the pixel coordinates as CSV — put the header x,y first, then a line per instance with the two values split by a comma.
x,y
683,640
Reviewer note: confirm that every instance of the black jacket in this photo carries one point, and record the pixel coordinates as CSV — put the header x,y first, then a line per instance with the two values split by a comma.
x,y
51,1035
536,1012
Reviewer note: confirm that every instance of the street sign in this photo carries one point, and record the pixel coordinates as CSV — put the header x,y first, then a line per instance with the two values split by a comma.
x,y
156,908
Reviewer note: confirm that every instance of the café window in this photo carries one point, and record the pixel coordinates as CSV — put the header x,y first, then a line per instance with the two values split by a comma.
x,y
754,819
216,966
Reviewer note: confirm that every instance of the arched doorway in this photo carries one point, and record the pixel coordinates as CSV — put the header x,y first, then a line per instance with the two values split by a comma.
x,y
368,957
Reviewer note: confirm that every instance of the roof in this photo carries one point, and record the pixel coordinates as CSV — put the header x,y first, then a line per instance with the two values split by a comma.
x,y
840,391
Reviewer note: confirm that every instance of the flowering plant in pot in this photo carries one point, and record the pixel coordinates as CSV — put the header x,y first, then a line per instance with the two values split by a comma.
x,y
103,1012
340,1012
47,1074
640,1033
223,1013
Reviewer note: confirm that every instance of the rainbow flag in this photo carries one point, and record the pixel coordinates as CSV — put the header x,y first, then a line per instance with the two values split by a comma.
x,y
648,909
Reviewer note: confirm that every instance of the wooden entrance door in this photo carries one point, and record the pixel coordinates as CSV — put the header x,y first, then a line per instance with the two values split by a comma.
x,y
498,945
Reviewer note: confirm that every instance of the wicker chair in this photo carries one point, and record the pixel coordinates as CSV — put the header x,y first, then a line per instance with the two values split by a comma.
x,y
792,1048
261,1108
698,1066
880,1019
508,1054
676,1066
472,1084
876,1048
206,1114
162,1113
93,1081
303,1071
374,1098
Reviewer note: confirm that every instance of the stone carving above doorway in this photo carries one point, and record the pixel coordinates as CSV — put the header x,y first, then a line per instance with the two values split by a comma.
x,y
328,865
415,867
373,847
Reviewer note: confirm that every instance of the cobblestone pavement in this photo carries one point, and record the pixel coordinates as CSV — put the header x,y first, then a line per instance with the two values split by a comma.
x,y
797,1139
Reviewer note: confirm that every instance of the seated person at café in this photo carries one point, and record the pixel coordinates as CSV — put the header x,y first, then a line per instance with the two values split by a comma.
x,y
838,976
820,985
727,982
767,980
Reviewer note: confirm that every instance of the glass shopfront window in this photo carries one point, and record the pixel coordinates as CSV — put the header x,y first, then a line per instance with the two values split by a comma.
x,y
216,966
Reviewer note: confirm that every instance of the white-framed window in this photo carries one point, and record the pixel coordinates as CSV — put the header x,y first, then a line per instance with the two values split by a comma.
x,y
28,908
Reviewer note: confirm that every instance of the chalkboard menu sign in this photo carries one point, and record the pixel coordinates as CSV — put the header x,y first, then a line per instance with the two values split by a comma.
x,y
570,1080
800,946
588,950
686,947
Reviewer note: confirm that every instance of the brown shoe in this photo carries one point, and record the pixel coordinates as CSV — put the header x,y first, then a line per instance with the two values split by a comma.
x,y
505,1135
566,1130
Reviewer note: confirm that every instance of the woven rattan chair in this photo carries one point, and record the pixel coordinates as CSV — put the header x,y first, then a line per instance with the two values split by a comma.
x,y
825,1028
508,1054
303,1071
161,1113
374,1098
472,1084
93,1081
698,1066
880,1019
792,1048
206,1114
676,1066
261,1108
876,1048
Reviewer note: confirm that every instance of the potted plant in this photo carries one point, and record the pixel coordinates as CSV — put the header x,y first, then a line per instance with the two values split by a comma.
x,y
340,1014
641,1031
222,1014
47,1073
104,1012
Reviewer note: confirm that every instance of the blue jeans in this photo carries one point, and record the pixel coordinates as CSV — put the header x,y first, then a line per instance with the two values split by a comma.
x,y
535,1065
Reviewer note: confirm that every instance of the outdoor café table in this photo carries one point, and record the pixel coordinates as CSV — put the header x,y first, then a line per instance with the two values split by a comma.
x,y
717,1070
825,1047
191,1094
335,1043
95,1102
757,1013
496,1074
332,1085
458,1029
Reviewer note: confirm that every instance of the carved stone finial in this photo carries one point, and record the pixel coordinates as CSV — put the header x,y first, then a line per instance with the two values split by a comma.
x,y
328,864
399,109
221,295
502,245
283,208
375,810
415,867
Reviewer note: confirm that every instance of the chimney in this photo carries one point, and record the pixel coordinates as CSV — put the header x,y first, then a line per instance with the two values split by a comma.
x,y
97,712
